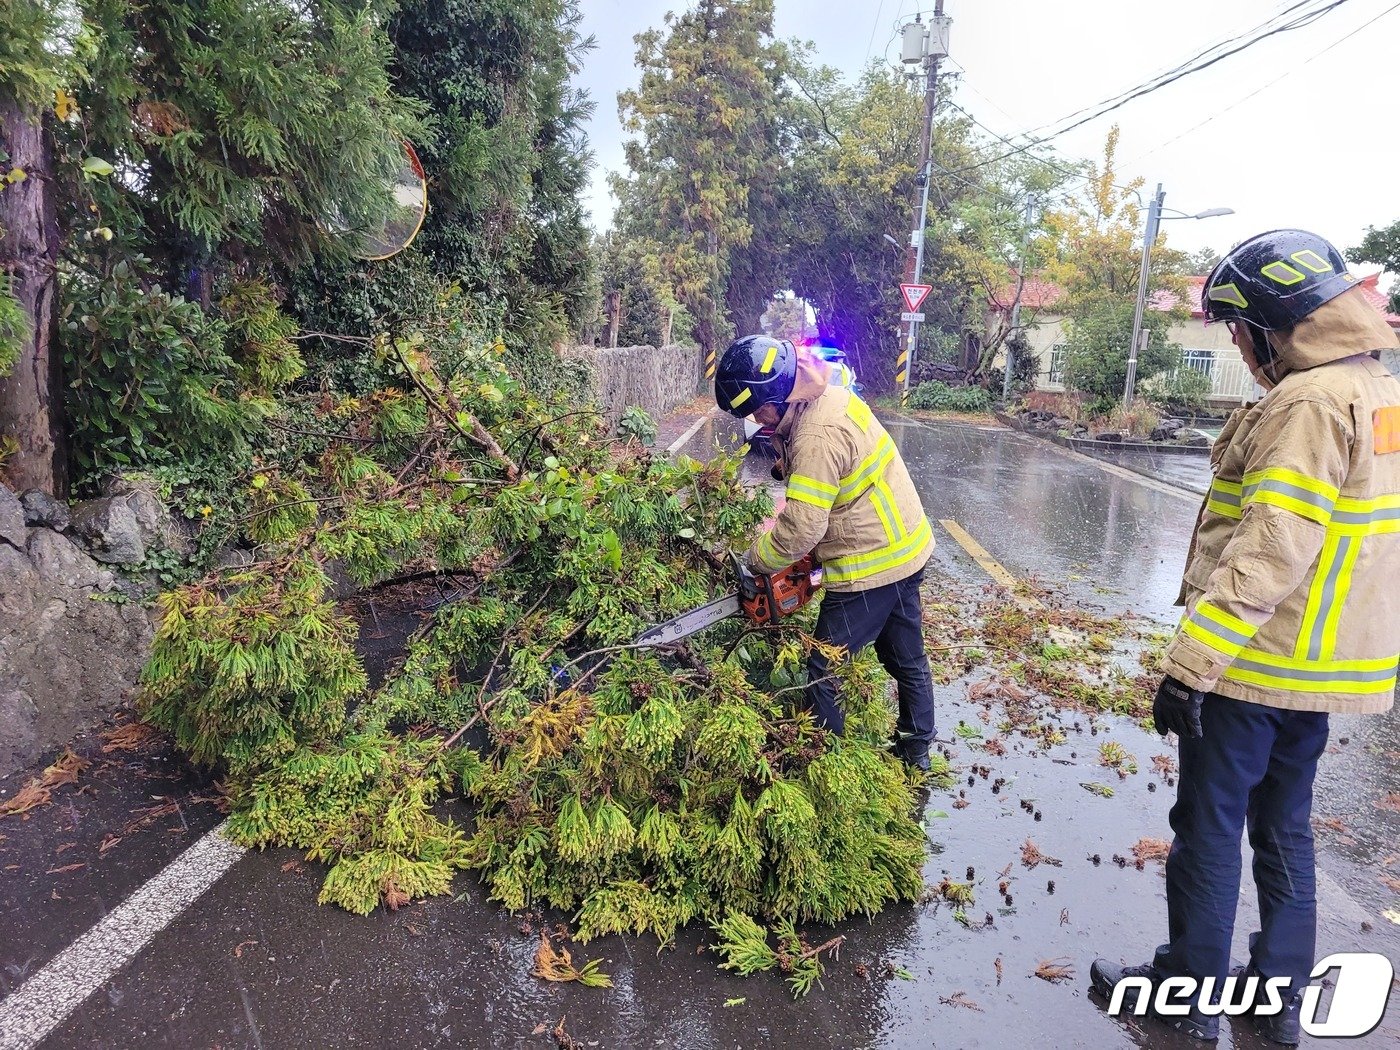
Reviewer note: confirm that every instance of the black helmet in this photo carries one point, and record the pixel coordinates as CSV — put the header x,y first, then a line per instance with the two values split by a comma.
x,y
755,371
1275,279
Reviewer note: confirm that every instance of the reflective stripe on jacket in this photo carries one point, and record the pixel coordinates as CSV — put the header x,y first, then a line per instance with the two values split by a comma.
x,y
1292,586
849,497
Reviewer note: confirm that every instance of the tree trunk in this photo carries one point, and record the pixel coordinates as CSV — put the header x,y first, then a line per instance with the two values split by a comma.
x,y
31,397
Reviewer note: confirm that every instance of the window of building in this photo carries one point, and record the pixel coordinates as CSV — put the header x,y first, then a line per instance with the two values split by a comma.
x,y
1202,361
1057,364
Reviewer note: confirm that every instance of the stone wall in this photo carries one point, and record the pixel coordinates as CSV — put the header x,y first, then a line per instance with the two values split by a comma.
x,y
658,379
72,642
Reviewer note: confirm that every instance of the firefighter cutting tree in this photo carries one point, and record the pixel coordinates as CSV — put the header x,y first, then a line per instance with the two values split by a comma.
x,y
851,504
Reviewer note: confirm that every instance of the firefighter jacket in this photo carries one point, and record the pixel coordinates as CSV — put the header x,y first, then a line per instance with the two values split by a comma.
x,y
1291,589
849,496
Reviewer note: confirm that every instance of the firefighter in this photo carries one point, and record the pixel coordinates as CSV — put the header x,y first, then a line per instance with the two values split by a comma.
x,y
1292,613
849,500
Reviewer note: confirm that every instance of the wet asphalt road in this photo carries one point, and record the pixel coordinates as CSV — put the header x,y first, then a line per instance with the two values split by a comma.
x,y
256,963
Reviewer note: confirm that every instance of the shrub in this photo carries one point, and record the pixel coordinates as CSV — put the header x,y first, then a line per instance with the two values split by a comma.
x,y
150,378
939,397
637,423
1182,391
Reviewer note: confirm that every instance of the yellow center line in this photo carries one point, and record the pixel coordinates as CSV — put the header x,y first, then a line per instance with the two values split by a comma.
x,y
995,569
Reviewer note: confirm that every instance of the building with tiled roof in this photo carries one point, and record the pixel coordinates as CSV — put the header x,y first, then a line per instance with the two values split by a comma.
x,y
1206,348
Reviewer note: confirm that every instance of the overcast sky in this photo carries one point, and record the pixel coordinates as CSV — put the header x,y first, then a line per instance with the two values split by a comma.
x,y
1314,150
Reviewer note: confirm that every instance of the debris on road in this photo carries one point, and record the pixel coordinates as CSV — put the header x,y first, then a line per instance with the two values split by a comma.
x,y
1031,856
1146,849
959,999
39,790
1055,970
557,964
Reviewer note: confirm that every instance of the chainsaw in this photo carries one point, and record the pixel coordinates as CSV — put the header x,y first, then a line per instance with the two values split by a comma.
x,y
763,599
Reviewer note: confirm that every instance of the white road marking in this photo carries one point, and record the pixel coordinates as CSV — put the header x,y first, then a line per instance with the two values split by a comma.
x,y
1108,468
45,1000
684,439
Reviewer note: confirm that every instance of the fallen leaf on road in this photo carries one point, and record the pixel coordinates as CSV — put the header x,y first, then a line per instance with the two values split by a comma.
x,y
736,1002
64,848
997,964
1163,764
238,951
292,865
959,999
107,843
1064,916
553,964
1151,849
1391,802
1330,824
127,737
1054,970
540,1028
1394,884
563,1039
39,790
65,868
1031,856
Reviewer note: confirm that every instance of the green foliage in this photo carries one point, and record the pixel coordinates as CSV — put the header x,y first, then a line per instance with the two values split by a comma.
x,y
150,378
14,327
1381,246
254,132
1181,391
31,59
246,675
707,151
637,423
1100,329
744,944
936,396
638,792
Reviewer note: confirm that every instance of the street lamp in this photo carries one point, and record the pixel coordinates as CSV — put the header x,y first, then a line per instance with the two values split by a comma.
x,y
1149,235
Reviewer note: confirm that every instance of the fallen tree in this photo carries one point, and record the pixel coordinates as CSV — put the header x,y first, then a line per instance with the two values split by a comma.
x,y
640,790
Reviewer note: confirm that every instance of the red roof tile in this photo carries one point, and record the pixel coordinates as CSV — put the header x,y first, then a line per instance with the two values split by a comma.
x,y
1036,294
1039,294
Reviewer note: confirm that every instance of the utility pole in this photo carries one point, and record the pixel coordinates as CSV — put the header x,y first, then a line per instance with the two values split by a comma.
x,y
1149,236
1016,303
929,45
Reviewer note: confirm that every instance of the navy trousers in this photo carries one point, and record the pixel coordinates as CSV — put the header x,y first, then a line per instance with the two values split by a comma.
x,y
1253,766
892,618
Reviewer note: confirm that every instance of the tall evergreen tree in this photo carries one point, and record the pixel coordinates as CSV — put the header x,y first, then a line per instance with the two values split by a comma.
x,y
704,114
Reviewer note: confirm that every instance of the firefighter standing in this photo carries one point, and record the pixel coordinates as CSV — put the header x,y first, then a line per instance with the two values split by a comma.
x,y
849,500
1292,612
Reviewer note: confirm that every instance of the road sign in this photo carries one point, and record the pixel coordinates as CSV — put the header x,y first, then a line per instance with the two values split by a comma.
x,y
911,317
914,294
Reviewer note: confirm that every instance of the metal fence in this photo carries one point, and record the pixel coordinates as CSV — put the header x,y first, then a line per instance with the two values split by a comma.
x,y
1229,379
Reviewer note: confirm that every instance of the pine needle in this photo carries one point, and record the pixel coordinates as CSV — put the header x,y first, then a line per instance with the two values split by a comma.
x,y
129,736
553,964
1151,849
1054,970
960,999
39,790
1031,856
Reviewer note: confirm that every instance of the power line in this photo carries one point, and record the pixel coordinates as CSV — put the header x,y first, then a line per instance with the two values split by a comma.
x,y
1259,90
1147,88
873,30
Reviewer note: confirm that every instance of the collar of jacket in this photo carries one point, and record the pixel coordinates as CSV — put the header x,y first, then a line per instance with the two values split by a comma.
x,y
811,382
1340,328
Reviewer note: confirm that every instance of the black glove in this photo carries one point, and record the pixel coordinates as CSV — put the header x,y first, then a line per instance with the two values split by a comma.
x,y
1177,708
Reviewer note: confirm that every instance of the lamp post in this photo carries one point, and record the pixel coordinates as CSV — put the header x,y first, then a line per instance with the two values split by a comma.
x,y
1149,236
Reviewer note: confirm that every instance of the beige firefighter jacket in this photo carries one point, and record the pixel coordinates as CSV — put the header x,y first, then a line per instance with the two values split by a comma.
x,y
849,496
1292,584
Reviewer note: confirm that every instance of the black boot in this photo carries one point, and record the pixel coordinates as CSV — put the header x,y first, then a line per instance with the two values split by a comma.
x,y
1284,1027
1104,977
912,754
